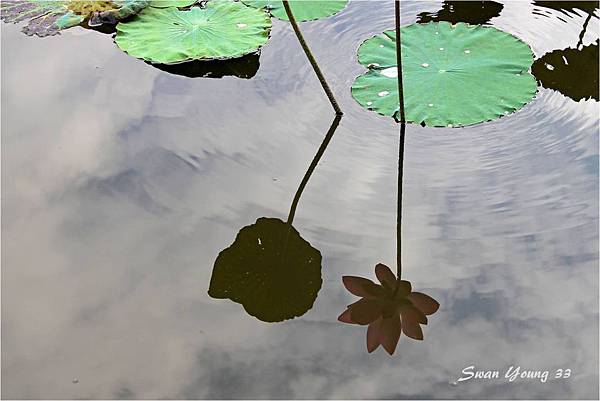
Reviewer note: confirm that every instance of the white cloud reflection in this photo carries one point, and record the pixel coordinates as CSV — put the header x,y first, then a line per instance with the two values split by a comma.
x,y
122,183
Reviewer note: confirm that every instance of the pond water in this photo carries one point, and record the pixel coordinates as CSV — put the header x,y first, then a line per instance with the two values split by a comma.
x,y
122,182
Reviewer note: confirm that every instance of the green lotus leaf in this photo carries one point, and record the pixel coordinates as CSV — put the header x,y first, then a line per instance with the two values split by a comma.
x,y
171,3
270,270
221,29
453,75
48,17
303,10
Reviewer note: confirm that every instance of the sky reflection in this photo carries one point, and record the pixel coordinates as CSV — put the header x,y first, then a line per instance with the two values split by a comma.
x,y
121,183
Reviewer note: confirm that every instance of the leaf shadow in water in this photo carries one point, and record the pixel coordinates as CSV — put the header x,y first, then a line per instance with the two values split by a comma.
x,y
572,72
242,67
472,12
270,269
563,6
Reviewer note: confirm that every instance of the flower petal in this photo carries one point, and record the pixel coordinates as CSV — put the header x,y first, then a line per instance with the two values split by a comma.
x,y
366,311
404,288
411,313
390,333
424,302
353,303
412,330
346,317
373,335
385,276
389,309
361,286
411,317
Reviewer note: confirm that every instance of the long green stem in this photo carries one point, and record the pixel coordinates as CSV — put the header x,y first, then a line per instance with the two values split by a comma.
x,y
401,142
312,166
399,61
311,58
399,212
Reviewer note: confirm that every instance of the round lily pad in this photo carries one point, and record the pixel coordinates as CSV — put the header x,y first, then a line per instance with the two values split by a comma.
x,y
453,75
270,270
221,29
171,3
303,10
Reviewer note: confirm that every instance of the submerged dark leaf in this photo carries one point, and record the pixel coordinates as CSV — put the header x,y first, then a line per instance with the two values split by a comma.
x,y
242,67
587,6
572,72
270,270
472,12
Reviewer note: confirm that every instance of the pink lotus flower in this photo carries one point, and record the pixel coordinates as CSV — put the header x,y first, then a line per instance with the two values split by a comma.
x,y
388,309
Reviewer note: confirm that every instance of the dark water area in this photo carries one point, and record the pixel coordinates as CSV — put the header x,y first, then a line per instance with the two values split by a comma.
x,y
122,182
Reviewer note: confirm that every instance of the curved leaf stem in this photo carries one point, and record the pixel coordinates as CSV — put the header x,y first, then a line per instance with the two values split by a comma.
x,y
313,165
311,58
583,30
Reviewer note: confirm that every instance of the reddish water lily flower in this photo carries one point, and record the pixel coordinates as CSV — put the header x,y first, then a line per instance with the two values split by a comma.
x,y
388,309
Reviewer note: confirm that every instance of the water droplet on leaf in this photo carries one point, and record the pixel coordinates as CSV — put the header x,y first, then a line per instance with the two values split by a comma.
x,y
391,72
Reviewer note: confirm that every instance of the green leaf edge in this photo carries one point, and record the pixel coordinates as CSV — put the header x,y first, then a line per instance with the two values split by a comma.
x,y
397,112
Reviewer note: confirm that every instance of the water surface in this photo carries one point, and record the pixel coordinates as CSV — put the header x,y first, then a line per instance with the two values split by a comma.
x,y
122,182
